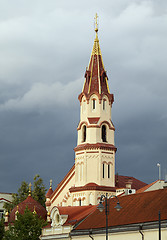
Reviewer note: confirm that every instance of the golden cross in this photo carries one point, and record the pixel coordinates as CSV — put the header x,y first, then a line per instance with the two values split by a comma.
x,y
50,183
96,24
30,189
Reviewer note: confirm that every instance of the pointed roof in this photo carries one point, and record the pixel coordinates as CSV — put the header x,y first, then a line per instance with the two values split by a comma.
x,y
32,205
50,191
96,80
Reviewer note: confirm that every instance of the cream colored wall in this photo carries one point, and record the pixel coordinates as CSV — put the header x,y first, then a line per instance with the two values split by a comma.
x,y
89,163
89,167
88,197
4,197
86,111
64,193
155,186
61,232
51,233
98,111
135,235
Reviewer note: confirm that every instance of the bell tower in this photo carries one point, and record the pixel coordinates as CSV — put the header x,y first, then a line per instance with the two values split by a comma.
x,y
95,150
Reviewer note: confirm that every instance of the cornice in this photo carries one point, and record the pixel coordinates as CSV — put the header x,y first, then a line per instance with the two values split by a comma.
x,y
93,187
105,146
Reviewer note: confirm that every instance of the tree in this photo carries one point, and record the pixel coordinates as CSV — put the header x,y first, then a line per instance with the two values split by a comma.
x,y
2,230
39,190
38,193
28,226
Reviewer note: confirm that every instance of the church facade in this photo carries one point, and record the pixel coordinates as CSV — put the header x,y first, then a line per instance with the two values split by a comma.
x,y
93,173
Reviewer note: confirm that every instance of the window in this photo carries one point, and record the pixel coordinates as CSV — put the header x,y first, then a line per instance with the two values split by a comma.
x,y
104,104
103,170
108,170
1,213
94,104
104,133
84,133
80,202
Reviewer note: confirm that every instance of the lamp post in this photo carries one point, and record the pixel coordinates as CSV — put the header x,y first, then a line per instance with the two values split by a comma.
x,y
100,207
159,166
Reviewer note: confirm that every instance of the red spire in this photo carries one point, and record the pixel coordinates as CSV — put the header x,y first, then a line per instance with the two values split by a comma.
x,y
96,80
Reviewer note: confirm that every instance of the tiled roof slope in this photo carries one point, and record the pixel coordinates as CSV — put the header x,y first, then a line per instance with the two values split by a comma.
x,y
143,189
76,213
32,205
136,208
96,80
120,182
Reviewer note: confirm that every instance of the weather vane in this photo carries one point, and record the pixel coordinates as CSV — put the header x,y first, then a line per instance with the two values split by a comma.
x,y
96,23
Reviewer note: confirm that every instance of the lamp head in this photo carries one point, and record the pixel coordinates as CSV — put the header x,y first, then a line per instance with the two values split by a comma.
x,y
118,207
100,207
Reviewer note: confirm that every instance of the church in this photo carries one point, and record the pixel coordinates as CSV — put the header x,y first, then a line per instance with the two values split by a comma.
x,y
72,211
93,173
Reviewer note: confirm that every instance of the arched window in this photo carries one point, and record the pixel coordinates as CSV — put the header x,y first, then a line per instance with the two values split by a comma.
x,y
103,170
94,104
84,133
108,170
80,202
104,104
104,133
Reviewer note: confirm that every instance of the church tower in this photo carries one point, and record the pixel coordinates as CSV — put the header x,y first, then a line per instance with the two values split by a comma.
x,y
95,150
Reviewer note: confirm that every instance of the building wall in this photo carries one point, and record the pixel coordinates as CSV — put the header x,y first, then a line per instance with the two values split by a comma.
x,y
62,197
4,197
152,234
89,167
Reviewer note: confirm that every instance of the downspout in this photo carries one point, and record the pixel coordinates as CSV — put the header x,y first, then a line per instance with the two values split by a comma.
x,y
90,232
140,231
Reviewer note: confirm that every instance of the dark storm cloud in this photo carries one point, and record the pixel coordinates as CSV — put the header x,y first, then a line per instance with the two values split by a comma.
x,y
45,49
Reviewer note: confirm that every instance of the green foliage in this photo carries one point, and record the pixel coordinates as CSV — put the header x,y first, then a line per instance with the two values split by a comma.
x,y
38,193
39,190
27,227
2,230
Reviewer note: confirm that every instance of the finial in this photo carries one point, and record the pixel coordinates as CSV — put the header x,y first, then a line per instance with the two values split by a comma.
x,y
96,23
34,212
7,213
50,183
30,189
17,212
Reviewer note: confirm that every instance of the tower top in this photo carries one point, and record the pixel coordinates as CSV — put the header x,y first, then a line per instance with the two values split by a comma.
x,y
96,23
96,80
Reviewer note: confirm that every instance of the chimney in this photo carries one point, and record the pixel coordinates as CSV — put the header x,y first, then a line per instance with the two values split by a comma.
x,y
128,183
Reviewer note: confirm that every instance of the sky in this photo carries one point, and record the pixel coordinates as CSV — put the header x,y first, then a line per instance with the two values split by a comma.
x,y
45,47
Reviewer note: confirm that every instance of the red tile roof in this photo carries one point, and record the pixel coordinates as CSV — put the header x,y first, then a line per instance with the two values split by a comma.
x,y
76,213
30,203
136,208
96,80
143,189
120,182
49,193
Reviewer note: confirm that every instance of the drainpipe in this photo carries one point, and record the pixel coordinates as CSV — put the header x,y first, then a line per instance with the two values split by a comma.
x,y
140,231
90,232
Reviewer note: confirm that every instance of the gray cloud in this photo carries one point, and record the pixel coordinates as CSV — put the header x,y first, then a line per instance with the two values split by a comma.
x,y
45,48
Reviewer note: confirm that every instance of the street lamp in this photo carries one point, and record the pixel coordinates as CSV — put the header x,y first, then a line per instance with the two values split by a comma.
x,y
159,166
101,207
